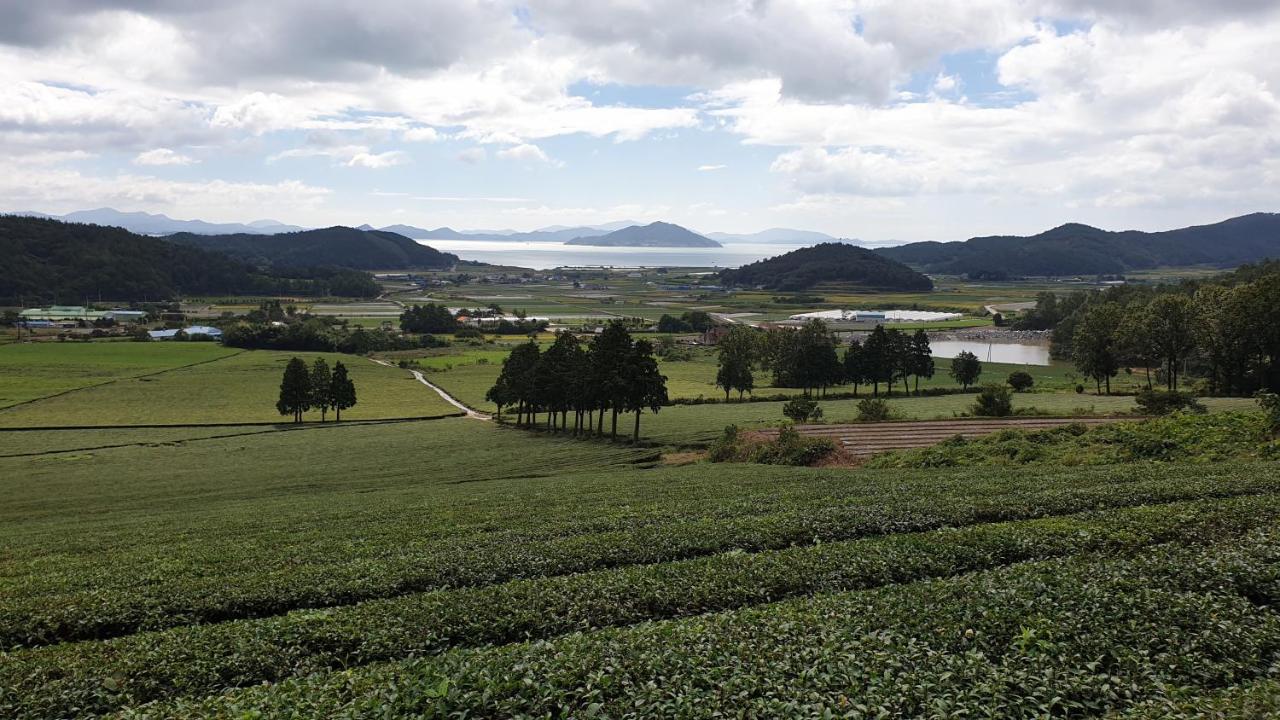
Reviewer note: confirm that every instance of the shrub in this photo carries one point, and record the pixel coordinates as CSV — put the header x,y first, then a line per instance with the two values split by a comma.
x,y
789,448
792,448
993,401
1270,403
874,410
801,409
468,333
1021,381
1163,402
1079,389
727,447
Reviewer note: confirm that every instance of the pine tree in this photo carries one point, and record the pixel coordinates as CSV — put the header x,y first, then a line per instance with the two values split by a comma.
x,y
646,387
295,390
321,379
342,391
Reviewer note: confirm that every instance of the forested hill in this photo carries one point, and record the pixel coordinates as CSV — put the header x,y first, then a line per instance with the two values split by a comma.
x,y
1083,250
827,262
335,246
48,261
657,234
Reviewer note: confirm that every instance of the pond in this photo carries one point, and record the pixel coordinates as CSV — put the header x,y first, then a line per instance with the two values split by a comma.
x,y
1013,353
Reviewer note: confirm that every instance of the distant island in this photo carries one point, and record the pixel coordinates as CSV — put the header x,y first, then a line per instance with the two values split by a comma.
x,y
1076,249
828,262
658,234
335,246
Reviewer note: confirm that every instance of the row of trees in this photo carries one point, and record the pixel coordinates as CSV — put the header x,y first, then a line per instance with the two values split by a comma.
x,y
807,357
1221,330
612,374
433,318
316,388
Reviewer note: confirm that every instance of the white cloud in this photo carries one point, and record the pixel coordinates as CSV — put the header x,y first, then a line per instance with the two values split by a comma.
x,y
709,168
424,133
376,161
163,156
455,198
527,153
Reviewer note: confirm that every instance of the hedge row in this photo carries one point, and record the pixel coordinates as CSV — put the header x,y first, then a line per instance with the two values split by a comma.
x,y
95,677
1078,637
110,607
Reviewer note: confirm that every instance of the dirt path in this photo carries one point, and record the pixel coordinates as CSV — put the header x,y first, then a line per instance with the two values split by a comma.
x,y
473,414
870,438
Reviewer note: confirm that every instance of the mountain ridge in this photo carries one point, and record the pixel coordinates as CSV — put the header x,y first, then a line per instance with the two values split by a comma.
x,y
337,246
1078,249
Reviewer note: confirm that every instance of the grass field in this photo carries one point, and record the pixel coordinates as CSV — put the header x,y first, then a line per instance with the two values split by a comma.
x,y
462,376
234,387
376,568
699,424
34,370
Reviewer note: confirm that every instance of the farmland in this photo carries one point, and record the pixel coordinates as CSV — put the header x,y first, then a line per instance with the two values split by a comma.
x,y
189,383
372,565
222,564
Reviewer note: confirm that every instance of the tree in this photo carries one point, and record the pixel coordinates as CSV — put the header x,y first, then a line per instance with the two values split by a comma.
x,y
645,386
737,351
993,401
1173,330
966,368
515,383
921,357
342,391
609,352
877,363
1020,380
1093,346
1135,341
295,390
855,365
429,318
321,378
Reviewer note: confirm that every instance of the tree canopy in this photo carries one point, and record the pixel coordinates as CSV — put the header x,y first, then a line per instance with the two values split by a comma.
x,y
827,262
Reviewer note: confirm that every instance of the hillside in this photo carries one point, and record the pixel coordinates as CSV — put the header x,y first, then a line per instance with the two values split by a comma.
x,y
658,234
828,262
159,224
48,261
335,246
1076,249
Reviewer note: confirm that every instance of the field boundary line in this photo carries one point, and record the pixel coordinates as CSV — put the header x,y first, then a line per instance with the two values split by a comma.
x,y
116,380
286,426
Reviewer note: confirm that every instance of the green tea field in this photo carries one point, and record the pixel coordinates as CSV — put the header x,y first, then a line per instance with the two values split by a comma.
x,y
225,564
109,384
453,567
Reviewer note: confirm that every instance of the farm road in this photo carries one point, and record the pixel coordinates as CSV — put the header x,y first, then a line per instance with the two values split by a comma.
x,y
473,414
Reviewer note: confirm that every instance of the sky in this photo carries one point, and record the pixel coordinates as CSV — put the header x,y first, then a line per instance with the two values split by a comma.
x,y
880,120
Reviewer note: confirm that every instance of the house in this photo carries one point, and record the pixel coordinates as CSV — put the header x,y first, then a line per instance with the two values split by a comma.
x,y
212,332
126,316
61,312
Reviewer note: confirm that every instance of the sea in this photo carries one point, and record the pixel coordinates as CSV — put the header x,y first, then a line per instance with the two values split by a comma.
x,y
546,255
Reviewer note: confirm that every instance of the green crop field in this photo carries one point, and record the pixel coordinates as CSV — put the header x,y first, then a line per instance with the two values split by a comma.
x,y
35,370
401,570
226,386
461,568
